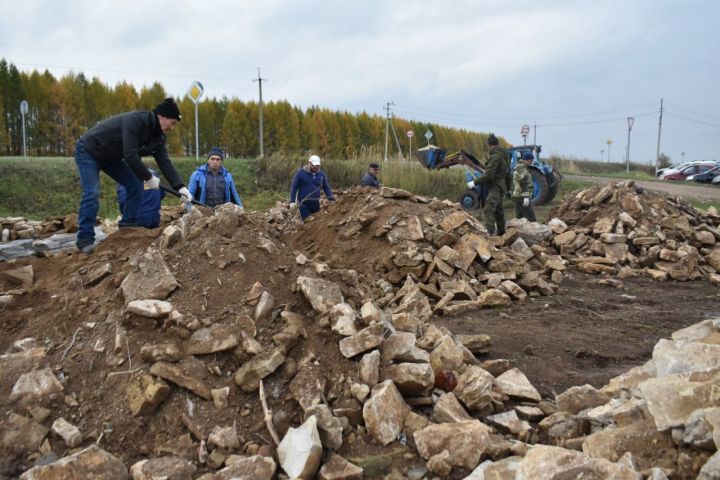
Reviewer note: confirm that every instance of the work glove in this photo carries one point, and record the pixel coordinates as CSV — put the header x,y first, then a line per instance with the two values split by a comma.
x,y
526,202
153,183
293,205
332,199
186,197
471,184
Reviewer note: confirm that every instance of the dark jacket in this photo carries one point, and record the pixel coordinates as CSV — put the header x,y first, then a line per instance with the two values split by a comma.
x,y
198,185
497,172
130,136
149,213
306,186
369,180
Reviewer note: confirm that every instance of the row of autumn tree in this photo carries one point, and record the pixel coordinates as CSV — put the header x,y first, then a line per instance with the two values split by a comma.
x,y
60,110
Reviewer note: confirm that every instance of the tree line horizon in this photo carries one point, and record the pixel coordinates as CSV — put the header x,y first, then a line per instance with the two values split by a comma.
x,y
60,110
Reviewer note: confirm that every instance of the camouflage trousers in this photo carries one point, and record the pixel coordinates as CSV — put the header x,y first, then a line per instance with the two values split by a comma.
x,y
493,211
523,212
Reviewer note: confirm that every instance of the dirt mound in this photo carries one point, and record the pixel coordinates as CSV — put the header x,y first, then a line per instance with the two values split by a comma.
x,y
161,342
625,230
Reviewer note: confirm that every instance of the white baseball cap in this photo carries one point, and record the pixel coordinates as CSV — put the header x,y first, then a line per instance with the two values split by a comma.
x,y
314,160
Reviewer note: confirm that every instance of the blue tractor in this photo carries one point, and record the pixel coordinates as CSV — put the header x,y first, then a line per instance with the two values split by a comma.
x,y
546,179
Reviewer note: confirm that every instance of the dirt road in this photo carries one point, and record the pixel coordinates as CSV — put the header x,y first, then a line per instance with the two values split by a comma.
x,y
682,188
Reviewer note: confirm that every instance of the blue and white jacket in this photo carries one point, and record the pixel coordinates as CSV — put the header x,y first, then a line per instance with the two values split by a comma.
x,y
198,182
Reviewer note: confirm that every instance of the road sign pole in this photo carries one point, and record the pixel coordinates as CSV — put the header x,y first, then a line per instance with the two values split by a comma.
x,y
410,134
524,131
194,93
197,137
23,112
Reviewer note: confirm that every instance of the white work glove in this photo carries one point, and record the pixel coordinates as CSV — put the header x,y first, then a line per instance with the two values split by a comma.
x,y
293,205
471,184
153,183
186,197
526,202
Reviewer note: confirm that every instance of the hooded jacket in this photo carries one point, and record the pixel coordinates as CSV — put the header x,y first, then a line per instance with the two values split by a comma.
x,y
198,185
306,186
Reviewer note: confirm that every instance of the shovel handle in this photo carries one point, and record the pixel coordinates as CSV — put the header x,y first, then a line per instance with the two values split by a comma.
x,y
177,194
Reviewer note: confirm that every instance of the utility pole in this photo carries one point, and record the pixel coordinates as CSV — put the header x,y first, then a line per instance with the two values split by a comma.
x,y
397,142
630,121
387,126
602,155
260,80
535,134
657,156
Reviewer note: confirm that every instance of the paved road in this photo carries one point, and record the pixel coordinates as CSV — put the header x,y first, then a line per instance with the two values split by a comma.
x,y
680,187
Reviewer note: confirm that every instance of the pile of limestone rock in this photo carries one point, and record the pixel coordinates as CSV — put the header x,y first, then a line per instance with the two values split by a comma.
x,y
620,229
19,228
379,372
440,249
415,385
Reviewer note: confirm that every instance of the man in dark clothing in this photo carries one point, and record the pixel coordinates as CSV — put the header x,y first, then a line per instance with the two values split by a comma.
x,y
149,213
497,180
115,146
212,184
306,186
370,178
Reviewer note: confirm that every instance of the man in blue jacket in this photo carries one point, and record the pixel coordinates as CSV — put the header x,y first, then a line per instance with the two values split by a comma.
x,y
212,184
306,186
149,214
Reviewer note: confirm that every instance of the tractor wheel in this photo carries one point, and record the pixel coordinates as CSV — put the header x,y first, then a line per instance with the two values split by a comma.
x,y
553,189
469,200
541,191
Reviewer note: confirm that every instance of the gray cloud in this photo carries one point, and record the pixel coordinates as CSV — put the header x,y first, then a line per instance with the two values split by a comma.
x,y
574,68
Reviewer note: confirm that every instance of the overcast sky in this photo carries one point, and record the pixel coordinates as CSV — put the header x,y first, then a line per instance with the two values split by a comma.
x,y
576,69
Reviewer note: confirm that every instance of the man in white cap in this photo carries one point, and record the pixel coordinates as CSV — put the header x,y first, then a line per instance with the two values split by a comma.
x,y
306,186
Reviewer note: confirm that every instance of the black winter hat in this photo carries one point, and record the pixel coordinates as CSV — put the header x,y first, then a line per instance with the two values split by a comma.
x,y
169,109
492,140
216,151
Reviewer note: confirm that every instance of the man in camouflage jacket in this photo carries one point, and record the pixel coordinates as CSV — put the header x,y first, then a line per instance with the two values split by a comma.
x,y
523,188
498,180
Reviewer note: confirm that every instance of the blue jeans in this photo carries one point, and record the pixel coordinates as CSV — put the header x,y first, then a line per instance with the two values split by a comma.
x,y
307,208
89,170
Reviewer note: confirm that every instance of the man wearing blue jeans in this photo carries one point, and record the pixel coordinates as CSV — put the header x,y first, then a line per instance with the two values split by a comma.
x,y
116,146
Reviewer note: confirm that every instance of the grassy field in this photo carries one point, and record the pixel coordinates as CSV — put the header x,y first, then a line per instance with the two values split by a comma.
x,y
40,187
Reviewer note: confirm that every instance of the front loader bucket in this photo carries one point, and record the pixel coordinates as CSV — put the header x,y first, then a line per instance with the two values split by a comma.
x,y
430,156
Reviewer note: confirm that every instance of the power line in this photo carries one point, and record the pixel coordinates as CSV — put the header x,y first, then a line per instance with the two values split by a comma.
x,y
691,119
400,107
693,112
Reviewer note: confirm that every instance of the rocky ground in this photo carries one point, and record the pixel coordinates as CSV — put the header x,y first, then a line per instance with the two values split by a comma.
x,y
388,337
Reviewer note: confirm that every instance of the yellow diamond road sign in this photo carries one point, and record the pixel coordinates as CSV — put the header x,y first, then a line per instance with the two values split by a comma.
x,y
195,91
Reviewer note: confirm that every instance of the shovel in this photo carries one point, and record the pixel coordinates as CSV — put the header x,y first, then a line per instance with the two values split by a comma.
x,y
177,194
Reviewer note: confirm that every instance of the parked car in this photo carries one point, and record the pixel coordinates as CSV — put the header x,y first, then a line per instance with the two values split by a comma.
x,y
706,177
679,166
685,172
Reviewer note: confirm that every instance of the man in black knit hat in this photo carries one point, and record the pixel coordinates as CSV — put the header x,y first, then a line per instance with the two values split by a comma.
x,y
116,146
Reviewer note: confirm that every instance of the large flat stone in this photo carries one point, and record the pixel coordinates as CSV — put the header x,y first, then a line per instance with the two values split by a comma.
x,y
465,441
90,463
216,338
384,412
322,294
366,339
514,383
249,375
149,279
175,374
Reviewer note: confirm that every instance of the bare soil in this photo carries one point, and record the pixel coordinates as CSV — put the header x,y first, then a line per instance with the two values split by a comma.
x,y
588,332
